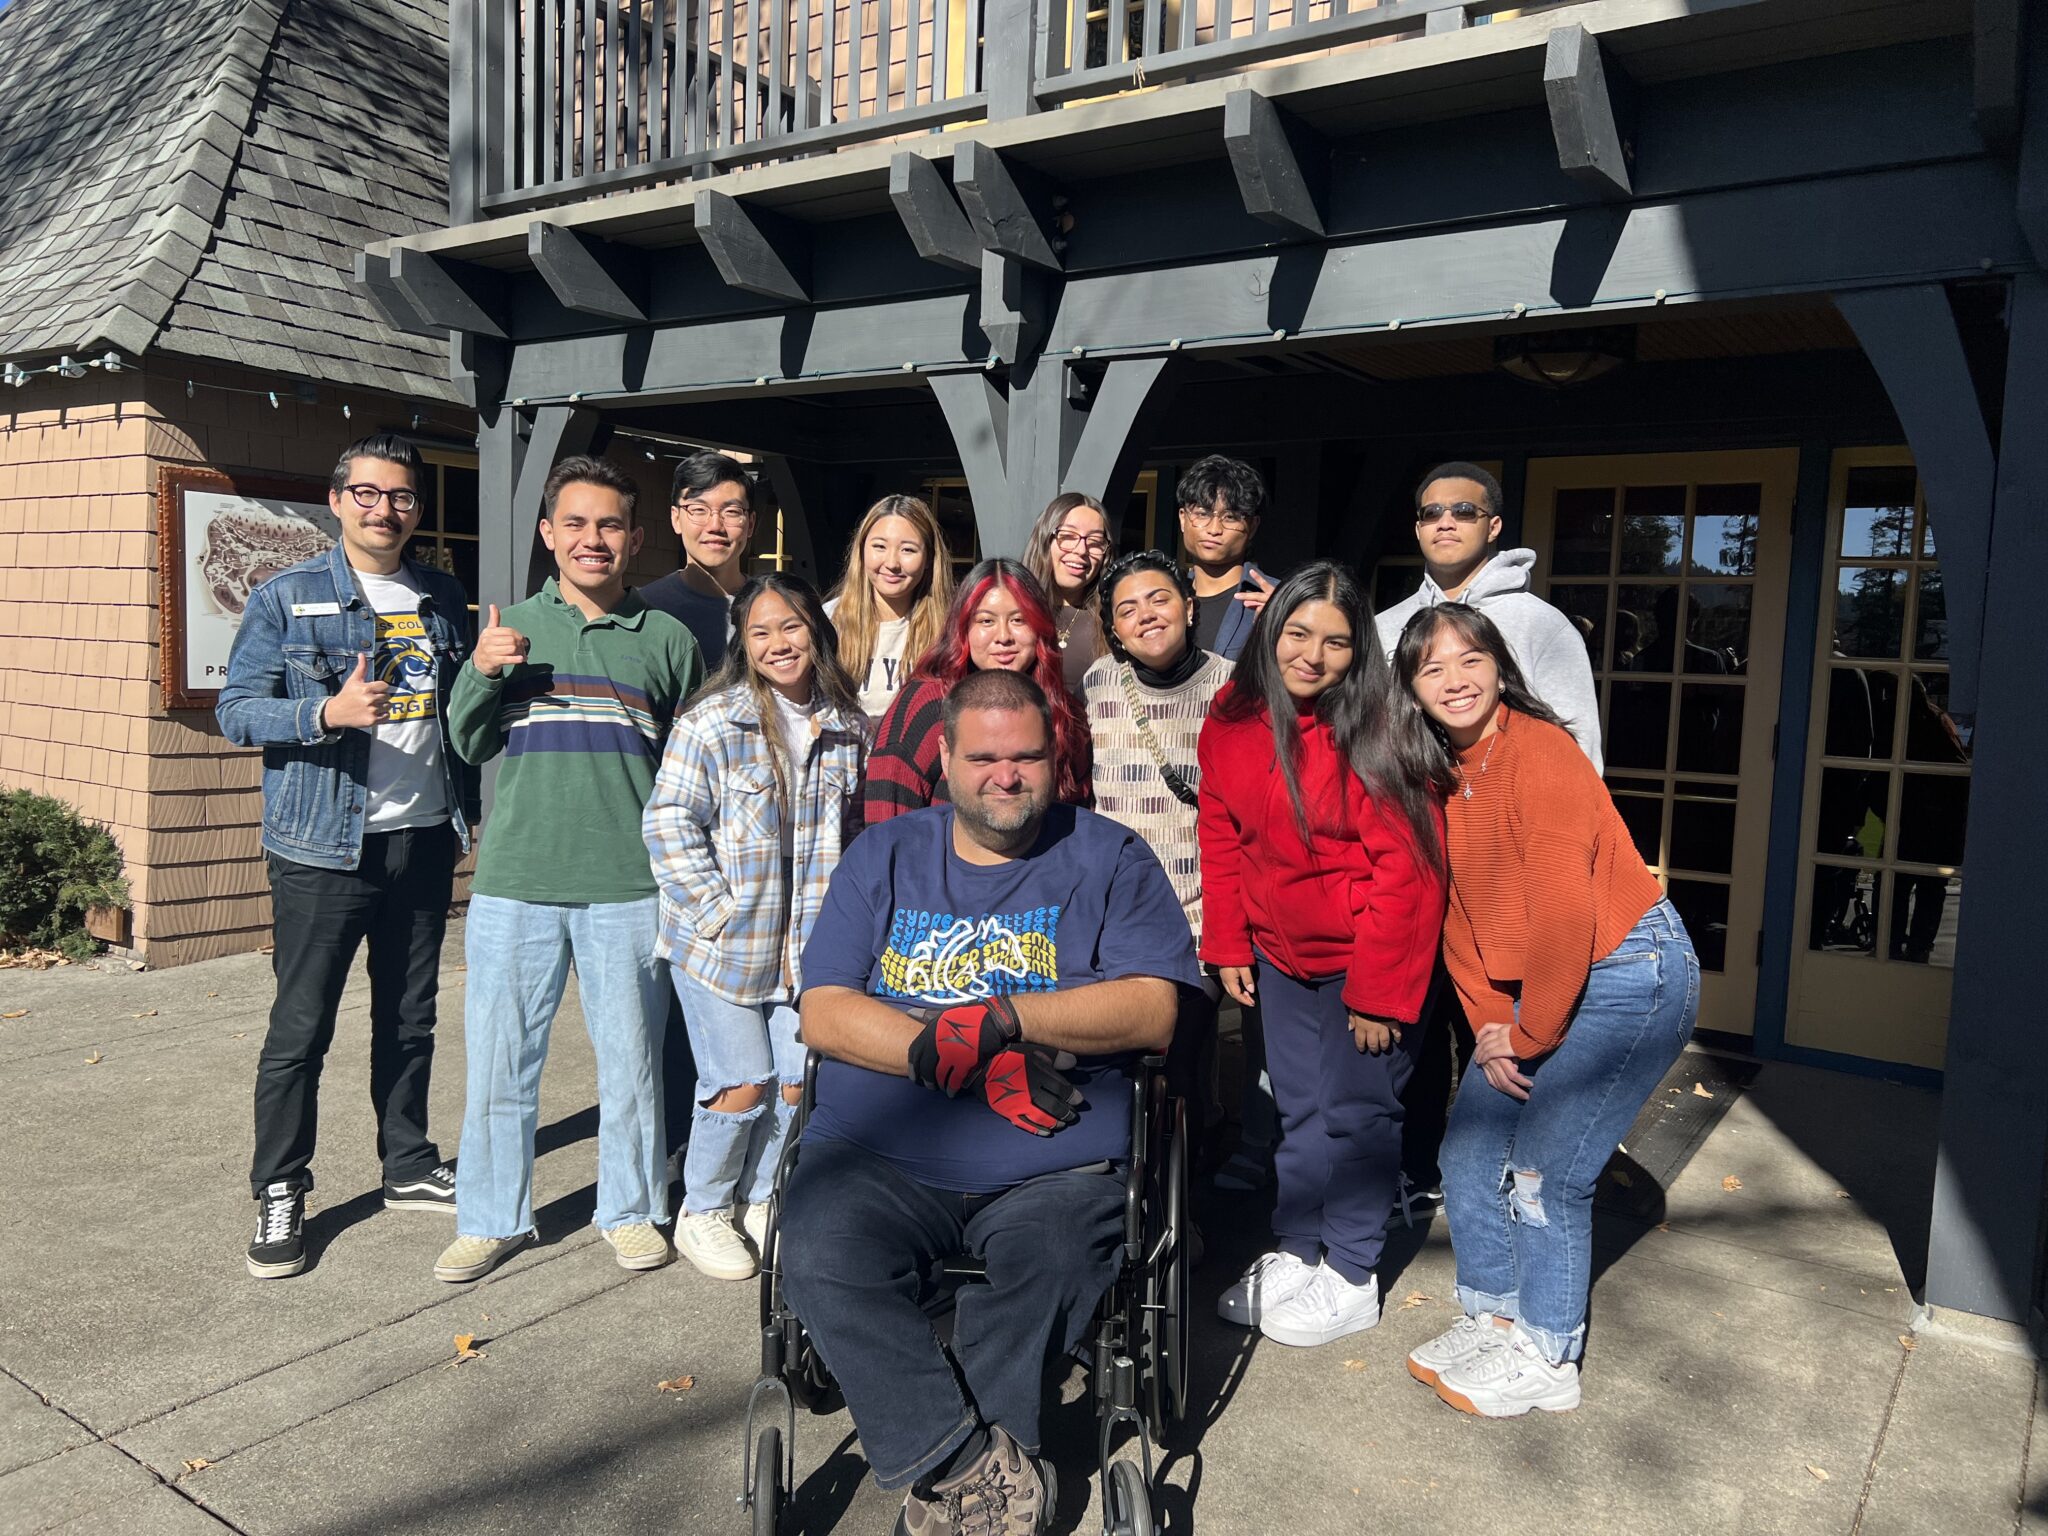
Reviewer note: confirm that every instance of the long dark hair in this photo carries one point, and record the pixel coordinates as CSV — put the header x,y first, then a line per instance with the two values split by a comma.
x,y
949,660
1381,737
1480,634
830,683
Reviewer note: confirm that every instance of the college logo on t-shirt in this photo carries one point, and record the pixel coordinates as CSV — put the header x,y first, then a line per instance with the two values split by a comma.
x,y
942,959
405,661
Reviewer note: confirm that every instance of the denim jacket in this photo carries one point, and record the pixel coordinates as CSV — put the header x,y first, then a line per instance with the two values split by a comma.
x,y
284,665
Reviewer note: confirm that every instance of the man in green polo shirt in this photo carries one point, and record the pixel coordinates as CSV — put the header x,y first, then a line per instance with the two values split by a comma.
x,y
577,687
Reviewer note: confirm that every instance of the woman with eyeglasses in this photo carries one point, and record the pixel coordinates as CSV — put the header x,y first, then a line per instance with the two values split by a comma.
x,y
1066,550
999,619
1322,902
1582,988
891,598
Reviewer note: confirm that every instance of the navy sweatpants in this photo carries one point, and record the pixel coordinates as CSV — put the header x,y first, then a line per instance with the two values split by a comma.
x,y
1339,1158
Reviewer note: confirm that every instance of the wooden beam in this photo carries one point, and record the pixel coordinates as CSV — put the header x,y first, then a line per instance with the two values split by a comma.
x,y
1007,204
1113,435
1282,165
799,545
373,276
589,275
755,250
932,216
1014,301
1998,51
978,415
455,295
1045,424
1586,119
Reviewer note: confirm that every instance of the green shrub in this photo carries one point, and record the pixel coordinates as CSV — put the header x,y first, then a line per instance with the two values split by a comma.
x,y
53,865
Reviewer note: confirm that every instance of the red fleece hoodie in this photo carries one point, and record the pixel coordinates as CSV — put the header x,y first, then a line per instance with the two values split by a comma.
x,y
1357,897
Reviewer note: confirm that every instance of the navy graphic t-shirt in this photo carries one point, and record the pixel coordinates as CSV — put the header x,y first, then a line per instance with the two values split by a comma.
x,y
909,921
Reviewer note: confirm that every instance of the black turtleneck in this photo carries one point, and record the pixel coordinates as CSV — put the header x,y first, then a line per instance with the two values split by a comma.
x,y
1189,664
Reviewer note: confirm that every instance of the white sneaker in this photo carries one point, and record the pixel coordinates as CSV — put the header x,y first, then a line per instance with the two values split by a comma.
x,y
1272,1279
1464,1339
709,1240
1328,1307
1507,1382
754,1222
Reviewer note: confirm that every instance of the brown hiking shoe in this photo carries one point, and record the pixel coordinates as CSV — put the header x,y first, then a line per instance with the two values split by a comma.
x,y
1004,1493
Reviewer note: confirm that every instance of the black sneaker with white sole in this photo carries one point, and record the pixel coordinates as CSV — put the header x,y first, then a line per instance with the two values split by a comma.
x,y
433,1190
279,1247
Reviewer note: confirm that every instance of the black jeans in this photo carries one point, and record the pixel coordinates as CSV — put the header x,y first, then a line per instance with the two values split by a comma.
x,y
860,1244
397,899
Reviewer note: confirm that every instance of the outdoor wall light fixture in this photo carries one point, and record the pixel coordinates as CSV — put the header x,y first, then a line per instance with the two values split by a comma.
x,y
1560,358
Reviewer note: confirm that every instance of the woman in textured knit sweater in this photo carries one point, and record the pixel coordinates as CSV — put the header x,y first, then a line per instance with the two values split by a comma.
x,y
1582,988
1323,900
999,618
1147,700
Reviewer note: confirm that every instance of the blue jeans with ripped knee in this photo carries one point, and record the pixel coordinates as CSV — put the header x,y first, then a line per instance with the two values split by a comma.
x,y
733,1156
1519,1175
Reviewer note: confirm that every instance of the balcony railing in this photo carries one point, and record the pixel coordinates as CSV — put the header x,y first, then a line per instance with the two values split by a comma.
x,y
556,101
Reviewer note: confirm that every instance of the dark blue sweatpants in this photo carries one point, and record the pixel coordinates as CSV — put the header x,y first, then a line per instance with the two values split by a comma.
x,y
1339,1158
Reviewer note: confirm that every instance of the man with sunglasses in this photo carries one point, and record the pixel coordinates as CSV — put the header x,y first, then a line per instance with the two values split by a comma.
x,y
1457,524
340,672
711,505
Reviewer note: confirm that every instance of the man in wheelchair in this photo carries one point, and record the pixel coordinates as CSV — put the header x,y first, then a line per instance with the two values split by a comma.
x,y
976,981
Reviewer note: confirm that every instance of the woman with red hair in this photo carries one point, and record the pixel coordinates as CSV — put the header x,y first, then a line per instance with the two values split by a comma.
x,y
999,620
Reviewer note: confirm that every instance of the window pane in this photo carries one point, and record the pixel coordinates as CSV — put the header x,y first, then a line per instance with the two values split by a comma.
x,y
1645,625
1743,500
1706,789
1585,533
1703,835
1844,910
1724,529
1862,709
1924,919
1851,813
1927,537
1717,627
1650,545
1654,501
1638,725
1930,619
1878,517
1932,809
1870,611
1633,786
1931,736
1709,728
1586,607
461,559
1393,584
1704,906
458,508
1644,818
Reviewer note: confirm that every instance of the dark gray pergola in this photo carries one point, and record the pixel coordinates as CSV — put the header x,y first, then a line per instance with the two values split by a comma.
x,y
1061,285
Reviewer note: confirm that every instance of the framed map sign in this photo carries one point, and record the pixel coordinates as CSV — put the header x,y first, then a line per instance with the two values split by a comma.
x,y
219,537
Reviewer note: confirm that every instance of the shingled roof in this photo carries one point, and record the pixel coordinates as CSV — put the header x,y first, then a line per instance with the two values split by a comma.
x,y
194,178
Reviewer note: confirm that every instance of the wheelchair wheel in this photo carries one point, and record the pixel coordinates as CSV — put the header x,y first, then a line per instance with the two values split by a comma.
x,y
1166,1318
1127,1501
767,1498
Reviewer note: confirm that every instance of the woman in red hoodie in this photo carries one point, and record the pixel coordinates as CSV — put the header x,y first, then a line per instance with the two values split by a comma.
x,y
1323,899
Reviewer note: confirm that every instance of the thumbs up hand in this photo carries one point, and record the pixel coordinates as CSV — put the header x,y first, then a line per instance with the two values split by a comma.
x,y
363,701
498,647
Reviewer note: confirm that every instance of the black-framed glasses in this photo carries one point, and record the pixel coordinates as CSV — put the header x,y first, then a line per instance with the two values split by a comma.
x,y
366,496
1463,511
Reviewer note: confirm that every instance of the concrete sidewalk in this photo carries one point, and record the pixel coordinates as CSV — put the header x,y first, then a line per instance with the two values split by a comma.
x,y
1752,1365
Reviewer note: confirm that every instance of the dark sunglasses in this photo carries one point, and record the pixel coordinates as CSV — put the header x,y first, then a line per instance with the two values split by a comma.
x,y
1463,511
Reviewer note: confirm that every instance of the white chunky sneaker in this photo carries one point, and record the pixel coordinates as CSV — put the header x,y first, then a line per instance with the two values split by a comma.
x,y
1328,1307
754,1222
1460,1342
709,1240
1272,1278
1508,1381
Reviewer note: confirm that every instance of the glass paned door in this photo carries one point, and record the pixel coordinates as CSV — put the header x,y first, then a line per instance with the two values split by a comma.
x,y
1887,782
1672,567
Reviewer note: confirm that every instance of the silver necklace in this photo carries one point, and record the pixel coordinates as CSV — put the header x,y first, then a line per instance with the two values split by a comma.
x,y
1467,778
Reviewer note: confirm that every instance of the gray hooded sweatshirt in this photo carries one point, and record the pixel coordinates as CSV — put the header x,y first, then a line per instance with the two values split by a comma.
x,y
1545,644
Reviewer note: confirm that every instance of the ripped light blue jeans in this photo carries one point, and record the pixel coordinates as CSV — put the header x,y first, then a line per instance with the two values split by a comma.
x,y
733,1156
1519,1176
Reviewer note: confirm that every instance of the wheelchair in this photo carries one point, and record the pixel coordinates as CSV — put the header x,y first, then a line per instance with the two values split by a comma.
x,y
1136,1350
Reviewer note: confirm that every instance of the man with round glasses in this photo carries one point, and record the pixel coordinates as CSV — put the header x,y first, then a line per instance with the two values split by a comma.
x,y
1220,501
711,505
340,671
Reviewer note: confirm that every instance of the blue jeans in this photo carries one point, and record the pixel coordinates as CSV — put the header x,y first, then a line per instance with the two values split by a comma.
x,y
519,954
863,1241
733,1156
1518,1176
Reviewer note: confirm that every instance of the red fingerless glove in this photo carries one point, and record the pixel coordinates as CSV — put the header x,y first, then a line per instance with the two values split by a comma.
x,y
1027,1085
952,1052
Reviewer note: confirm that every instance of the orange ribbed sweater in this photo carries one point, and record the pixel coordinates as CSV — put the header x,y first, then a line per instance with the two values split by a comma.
x,y
1544,880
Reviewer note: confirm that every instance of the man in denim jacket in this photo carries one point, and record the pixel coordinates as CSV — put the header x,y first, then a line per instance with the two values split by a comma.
x,y
340,672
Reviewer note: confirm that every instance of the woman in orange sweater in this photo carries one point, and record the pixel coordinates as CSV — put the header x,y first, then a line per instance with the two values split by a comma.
x,y
1582,988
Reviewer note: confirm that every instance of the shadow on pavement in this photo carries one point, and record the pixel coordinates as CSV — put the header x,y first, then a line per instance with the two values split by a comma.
x,y
324,1226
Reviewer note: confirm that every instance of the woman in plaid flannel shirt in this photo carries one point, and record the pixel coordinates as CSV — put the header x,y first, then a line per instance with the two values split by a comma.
x,y
759,790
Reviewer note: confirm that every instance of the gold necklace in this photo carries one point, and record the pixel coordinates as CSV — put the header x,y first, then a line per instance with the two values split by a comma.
x,y
1073,618
1467,778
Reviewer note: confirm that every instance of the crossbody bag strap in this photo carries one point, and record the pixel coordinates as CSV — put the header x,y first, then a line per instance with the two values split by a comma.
x,y
1177,782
